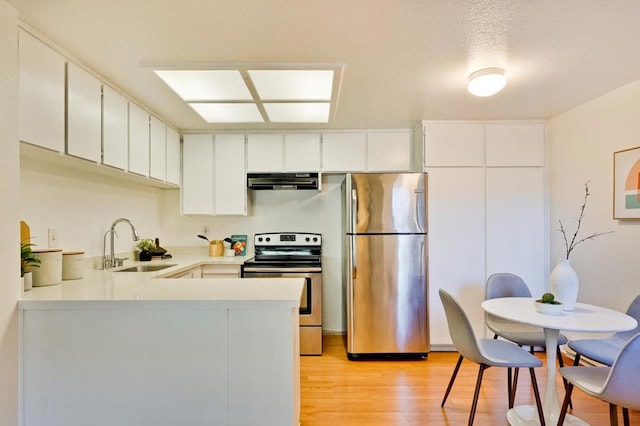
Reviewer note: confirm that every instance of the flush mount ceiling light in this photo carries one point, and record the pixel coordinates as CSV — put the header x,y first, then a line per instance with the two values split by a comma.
x,y
254,93
486,82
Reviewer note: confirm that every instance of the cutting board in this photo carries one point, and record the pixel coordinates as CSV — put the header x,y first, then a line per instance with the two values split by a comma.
x,y
25,232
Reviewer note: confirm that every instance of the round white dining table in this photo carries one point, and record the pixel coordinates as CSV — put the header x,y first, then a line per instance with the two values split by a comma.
x,y
584,318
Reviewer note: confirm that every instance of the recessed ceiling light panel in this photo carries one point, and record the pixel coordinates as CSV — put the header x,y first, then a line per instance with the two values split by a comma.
x,y
298,112
228,113
206,85
293,85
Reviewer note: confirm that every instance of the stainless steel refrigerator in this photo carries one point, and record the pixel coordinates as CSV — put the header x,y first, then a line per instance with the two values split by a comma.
x,y
386,264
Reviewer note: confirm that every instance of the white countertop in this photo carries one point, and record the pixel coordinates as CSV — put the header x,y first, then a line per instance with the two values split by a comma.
x,y
100,286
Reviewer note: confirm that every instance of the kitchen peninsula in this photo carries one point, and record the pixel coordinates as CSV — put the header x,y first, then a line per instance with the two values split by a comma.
x,y
130,348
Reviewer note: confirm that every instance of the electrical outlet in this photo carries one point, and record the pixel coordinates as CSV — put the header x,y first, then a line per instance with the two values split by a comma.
x,y
53,237
205,230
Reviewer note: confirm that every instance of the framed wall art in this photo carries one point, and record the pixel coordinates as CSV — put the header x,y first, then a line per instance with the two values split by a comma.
x,y
626,184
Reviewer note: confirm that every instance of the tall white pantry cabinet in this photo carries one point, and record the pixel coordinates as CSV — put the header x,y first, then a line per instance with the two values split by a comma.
x,y
487,212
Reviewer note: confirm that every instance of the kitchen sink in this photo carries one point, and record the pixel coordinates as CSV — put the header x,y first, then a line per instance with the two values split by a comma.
x,y
146,268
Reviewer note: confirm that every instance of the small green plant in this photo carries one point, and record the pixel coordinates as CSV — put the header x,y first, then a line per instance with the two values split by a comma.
x,y
549,298
27,257
146,244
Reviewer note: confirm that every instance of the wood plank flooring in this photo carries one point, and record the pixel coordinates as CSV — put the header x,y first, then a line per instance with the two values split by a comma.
x,y
339,392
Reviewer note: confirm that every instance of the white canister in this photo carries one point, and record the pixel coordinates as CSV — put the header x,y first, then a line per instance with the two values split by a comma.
x,y
50,270
72,265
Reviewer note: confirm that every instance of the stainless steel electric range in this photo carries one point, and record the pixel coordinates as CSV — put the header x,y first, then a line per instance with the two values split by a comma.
x,y
294,254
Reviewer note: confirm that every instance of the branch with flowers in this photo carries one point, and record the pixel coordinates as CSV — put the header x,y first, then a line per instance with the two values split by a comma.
x,y
570,246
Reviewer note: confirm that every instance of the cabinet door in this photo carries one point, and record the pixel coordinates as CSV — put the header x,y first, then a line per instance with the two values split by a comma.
x,y
264,153
456,245
454,144
516,224
115,136
302,152
42,89
389,152
84,114
138,140
343,152
220,271
157,149
515,145
173,156
197,174
230,175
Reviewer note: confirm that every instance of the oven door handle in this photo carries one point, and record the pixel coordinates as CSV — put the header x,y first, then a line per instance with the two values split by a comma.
x,y
282,270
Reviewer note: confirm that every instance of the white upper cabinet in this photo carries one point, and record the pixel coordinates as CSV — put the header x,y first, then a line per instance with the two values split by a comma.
x,y
302,152
230,175
213,175
515,145
138,140
454,144
173,156
389,152
157,149
264,153
115,129
344,152
84,114
42,92
197,175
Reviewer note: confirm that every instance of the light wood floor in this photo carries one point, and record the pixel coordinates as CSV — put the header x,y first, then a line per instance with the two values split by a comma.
x,y
339,392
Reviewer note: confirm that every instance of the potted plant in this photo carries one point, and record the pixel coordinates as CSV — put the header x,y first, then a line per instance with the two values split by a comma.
x,y
548,305
27,258
145,246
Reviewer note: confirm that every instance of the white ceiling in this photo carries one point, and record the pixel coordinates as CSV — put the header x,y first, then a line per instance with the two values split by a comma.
x,y
404,60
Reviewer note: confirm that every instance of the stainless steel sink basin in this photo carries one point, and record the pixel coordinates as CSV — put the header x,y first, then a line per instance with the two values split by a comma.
x,y
146,268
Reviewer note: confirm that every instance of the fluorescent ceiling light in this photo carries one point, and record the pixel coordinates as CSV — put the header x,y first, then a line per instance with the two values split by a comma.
x,y
228,113
206,85
293,85
298,112
486,82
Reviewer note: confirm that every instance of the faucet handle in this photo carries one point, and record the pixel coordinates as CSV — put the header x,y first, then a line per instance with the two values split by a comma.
x,y
120,260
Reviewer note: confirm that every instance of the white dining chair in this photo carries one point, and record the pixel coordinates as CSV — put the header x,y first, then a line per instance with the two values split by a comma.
x,y
606,350
504,284
619,385
487,353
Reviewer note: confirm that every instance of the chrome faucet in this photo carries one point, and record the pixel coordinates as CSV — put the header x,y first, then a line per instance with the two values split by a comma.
x,y
110,260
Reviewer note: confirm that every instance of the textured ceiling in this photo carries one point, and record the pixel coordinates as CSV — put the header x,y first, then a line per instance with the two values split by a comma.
x,y
404,60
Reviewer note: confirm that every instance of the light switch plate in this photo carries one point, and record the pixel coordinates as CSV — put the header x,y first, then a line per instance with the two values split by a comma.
x,y
53,237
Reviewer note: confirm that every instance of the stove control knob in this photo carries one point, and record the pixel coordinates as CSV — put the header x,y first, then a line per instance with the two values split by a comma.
x,y
315,239
307,239
259,239
268,239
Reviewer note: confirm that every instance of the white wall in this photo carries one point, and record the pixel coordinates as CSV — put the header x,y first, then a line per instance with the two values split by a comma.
x,y
581,144
81,207
274,211
9,227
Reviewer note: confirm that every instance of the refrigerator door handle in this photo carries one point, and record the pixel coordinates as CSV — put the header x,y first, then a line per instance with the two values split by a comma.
x,y
354,266
422,259
354,210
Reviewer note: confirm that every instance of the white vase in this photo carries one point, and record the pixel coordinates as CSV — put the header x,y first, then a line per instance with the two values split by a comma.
x,y
564,284
27,281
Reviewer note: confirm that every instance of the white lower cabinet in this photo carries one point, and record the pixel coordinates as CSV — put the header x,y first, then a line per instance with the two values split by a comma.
x,y
456,245
213,175
220,271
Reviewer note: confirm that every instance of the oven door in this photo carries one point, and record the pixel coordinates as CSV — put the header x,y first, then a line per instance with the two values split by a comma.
x,y
311,300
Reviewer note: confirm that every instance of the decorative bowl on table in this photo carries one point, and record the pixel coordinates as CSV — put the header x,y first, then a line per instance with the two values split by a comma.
x,y
549,308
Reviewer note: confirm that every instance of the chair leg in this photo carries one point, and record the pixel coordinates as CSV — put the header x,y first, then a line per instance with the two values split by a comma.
x,y
476,394
565,404
453,379
515,386
536,393
613,414
625,416
576,360
495,336
510,388
561,364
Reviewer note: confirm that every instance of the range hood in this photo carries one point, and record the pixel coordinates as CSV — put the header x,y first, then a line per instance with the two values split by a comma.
x,y
283,181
